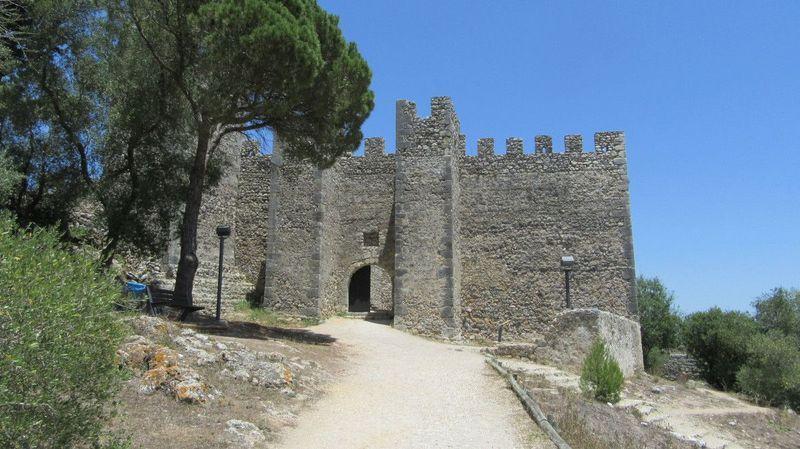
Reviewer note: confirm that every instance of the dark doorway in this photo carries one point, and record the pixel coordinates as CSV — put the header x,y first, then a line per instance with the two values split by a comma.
x,y
359,290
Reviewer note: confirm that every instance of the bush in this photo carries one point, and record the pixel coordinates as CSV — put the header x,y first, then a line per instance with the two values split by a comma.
x,y
772,371
58,334
601,376
718,342
655,360
659,320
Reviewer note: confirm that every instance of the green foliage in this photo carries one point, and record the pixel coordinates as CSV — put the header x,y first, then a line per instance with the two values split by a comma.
x,y
779,310
12,40
772,371
294,72
59,335
659,320
718,341
655,360
601,377
9,177
82,115
45,109
245,65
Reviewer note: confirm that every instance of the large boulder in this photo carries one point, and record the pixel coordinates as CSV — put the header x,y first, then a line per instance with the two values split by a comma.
x,y
573,331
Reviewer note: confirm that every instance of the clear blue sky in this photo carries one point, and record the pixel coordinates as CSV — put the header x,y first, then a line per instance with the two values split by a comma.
x,y
707,92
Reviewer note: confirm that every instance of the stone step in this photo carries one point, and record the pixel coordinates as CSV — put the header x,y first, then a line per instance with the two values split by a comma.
x,y
380,315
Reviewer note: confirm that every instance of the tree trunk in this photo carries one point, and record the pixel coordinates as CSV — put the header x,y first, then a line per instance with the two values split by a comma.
x,y
188,263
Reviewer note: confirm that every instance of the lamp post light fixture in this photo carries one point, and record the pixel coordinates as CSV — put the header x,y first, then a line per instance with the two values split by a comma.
x,y
567,264
222,232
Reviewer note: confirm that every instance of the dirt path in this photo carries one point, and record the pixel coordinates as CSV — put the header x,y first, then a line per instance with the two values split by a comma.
x,y
402,391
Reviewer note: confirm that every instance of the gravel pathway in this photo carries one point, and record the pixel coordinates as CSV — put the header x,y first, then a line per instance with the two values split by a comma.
x,y
402,391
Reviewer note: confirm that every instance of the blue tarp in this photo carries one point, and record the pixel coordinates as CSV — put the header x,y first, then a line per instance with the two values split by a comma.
x,y
135,287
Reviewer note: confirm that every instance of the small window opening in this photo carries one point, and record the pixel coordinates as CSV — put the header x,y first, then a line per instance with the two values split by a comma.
x,y
371,238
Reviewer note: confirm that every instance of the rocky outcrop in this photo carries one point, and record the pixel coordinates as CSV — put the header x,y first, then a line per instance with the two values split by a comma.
x,y
243,434
160,369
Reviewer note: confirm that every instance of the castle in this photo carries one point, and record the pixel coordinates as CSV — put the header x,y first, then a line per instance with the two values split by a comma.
x,y
450,245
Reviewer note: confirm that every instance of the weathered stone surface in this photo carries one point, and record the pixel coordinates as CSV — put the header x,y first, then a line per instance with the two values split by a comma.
x,y
150,327
573,332
164,372
464,243
258,368
243,434
680,366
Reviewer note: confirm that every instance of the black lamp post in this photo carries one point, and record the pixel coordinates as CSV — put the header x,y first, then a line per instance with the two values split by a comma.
x,y
222,232
567,263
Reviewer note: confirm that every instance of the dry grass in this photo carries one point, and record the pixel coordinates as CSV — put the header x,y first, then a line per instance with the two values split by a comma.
x,y
245,311
587,424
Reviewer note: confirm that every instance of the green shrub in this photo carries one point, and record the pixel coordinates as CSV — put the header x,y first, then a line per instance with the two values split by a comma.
x,y
772,371
655,360
718,342
58,337
601,377
659,320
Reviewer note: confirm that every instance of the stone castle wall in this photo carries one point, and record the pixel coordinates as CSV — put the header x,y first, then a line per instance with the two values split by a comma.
x,y
462,243
252,214
521,212
357,226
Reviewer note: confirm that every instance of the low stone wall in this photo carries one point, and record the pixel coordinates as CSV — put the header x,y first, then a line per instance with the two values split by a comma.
x,y
680,366
570,336
572,333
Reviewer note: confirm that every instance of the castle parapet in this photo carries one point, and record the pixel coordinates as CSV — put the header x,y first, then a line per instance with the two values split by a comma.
x,y
544,144
486,147
609,141
514,147
573,143
405,117
462,145
374,146
438,134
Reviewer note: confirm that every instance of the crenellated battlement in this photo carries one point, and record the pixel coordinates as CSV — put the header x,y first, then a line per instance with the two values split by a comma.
x,y
515,147
573,143
436,135
374,146
485,147
440,134
544,144
604,142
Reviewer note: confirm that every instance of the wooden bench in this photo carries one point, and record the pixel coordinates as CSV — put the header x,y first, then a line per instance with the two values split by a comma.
x,y
157,297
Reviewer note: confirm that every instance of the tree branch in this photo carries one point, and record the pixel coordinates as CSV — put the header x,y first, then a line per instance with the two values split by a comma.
x,y
177,76
72,135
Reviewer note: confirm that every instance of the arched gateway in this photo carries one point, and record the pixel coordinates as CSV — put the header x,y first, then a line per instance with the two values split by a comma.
x,y
370,290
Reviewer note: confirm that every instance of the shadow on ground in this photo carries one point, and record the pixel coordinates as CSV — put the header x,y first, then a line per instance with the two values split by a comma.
x,y
246,329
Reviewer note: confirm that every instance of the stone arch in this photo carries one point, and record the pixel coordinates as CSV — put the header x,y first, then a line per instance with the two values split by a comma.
x,y
381,285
